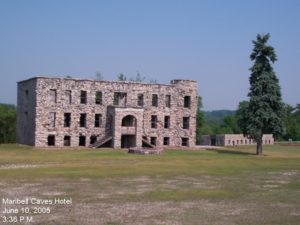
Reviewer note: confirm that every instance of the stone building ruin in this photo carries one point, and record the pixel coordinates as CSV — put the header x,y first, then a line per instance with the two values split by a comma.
x,y
67,112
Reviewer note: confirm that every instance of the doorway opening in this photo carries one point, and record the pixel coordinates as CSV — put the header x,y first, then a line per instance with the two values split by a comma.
x,y
128,141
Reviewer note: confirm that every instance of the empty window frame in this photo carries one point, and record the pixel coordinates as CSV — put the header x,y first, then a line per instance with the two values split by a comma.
x,y
187,101
52,96
168,101
184,142
67,119
82,120
83,97
167,122
52,119
186,122
27,94
67,140
51,140
153,140
93,139
98,98
166,141
120,98
153,121
98,120
140,100
154,100
68,96
82,140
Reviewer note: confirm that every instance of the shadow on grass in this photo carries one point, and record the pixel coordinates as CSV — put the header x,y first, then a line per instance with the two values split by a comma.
x,y
228,151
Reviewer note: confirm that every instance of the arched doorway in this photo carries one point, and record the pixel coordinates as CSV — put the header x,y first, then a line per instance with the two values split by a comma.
x,y
129,121
128,139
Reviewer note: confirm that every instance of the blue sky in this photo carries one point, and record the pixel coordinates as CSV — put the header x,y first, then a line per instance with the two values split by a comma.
x,y
208,41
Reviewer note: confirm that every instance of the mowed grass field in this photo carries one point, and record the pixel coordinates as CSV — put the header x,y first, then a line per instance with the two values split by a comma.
x,y
230,186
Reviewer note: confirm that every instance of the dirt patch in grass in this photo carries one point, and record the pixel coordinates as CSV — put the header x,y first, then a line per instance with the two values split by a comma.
x,y
276,179
150,200
18,166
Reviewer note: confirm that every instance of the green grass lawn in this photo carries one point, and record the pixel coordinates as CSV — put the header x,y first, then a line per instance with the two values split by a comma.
x,y
230,186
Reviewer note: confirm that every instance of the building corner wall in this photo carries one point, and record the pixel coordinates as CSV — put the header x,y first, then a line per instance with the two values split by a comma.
x,y
26,112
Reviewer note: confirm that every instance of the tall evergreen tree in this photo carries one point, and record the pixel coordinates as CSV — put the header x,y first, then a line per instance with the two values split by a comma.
x,y
264,111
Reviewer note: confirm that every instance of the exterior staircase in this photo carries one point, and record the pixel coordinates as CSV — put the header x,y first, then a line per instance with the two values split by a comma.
x,y
146,142
101,142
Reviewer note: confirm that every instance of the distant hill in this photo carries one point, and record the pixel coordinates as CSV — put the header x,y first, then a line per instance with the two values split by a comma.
x,y
216,117
9,106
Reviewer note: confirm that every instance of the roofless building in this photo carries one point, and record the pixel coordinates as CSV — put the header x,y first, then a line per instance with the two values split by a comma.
x,y
67,112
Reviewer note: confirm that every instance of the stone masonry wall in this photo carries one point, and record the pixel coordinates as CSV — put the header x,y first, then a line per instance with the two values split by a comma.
x,y
43,105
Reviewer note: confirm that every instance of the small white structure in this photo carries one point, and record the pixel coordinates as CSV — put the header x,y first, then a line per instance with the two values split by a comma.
x,y
234,139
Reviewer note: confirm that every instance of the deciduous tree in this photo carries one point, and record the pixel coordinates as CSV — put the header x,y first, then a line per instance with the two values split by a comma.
x,y
122,77
7,123
199,120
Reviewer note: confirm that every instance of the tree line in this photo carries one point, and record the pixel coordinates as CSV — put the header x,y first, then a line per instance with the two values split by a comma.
x,y
122,77
226,122
208,123
8,117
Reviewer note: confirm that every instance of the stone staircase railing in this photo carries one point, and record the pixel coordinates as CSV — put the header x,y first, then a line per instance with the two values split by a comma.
x,y
100,142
